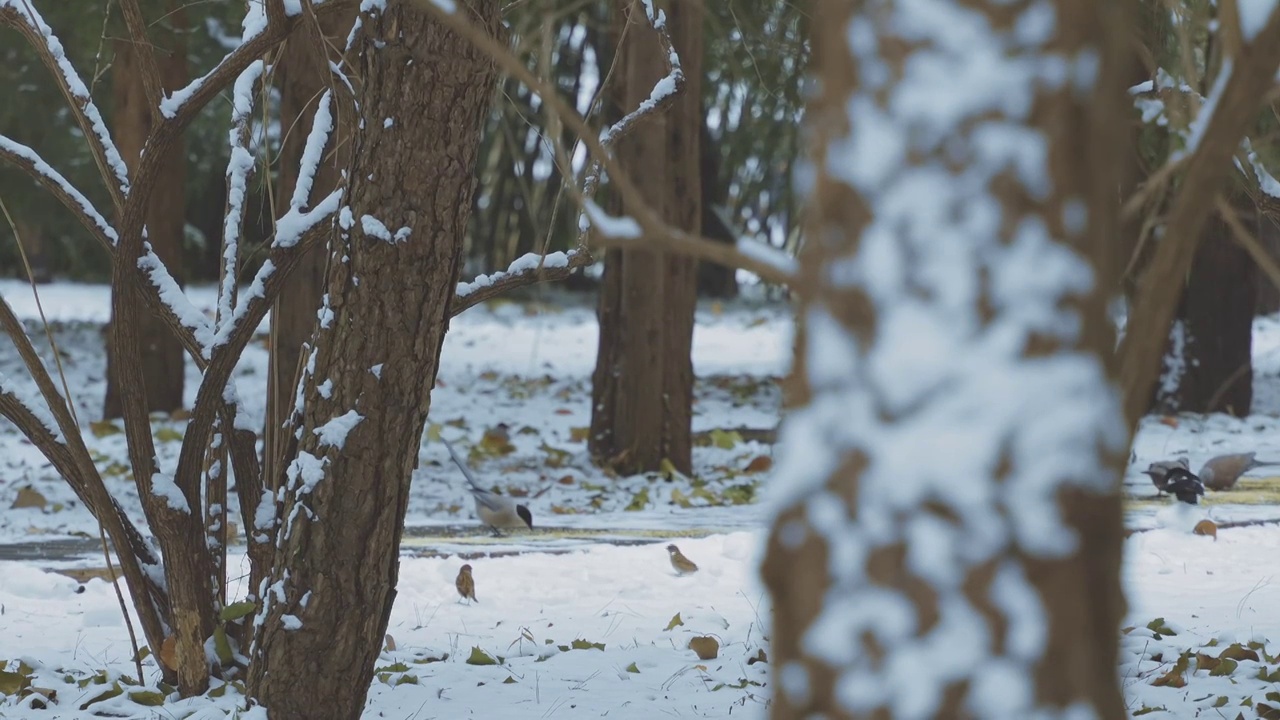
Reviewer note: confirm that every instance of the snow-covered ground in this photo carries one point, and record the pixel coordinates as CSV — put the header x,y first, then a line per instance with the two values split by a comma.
x,y
595,570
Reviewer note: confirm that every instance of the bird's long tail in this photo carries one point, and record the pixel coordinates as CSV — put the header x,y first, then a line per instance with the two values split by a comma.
x,y
462,465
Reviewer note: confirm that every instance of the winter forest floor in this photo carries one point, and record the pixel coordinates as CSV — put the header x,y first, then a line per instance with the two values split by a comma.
x,y
583,616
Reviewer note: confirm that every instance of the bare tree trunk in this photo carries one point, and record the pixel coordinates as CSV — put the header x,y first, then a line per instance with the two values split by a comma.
x,y
162,355
714,280
303,75
377,353
1208,364
31,235
948,473
642,388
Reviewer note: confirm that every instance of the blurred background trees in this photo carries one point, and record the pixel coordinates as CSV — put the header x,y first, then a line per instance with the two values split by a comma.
x,y
754,54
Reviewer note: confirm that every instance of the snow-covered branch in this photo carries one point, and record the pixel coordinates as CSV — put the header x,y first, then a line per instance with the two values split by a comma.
x,y
663,94
173,302
260,35
240,166
26,159
213,396
23,17
524,270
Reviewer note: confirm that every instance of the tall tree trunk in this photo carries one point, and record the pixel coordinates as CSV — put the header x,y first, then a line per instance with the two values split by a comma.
x,y
162,357
642,388
303,75
31,235
1208,364
387,298
949,529
714,280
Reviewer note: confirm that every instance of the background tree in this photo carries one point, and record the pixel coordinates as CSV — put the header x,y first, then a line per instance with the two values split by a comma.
x,y
642,387
948,473
1208,352
163,368
303,76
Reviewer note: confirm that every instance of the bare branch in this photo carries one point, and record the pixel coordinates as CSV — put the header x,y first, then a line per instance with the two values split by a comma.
x,y
182,106
54,432
526,270
146,55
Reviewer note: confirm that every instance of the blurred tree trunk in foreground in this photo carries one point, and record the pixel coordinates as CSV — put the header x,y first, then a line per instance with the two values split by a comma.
x,y
949,530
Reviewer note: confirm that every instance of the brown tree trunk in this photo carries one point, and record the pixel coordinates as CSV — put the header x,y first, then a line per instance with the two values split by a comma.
x,y
303,75
1208,363
376,359
957,497
31,235
642,388
163,360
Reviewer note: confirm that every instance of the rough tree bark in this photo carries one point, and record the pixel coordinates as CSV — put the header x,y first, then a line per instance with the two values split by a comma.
x,y
1208,363
302,75
392,275
642,388
948,537
162,355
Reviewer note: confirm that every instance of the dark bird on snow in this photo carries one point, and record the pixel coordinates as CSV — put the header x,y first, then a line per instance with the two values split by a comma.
x,y
466,585
494,510
682,564
1184,485
1222,472
1159,472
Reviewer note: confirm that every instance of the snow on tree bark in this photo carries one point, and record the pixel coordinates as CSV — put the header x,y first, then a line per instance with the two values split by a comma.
x,y
948,529
303,74
338,537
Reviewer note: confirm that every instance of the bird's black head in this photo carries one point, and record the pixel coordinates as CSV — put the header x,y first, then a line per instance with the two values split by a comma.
x,y
525,515
1185,485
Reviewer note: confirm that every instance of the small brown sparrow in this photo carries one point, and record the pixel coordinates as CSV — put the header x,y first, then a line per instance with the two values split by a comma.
x,y
682,564
466,584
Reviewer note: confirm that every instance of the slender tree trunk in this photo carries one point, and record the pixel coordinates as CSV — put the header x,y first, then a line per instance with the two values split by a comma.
x,y
303,75
949,530
162,356
387,298
642,388
1208,364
